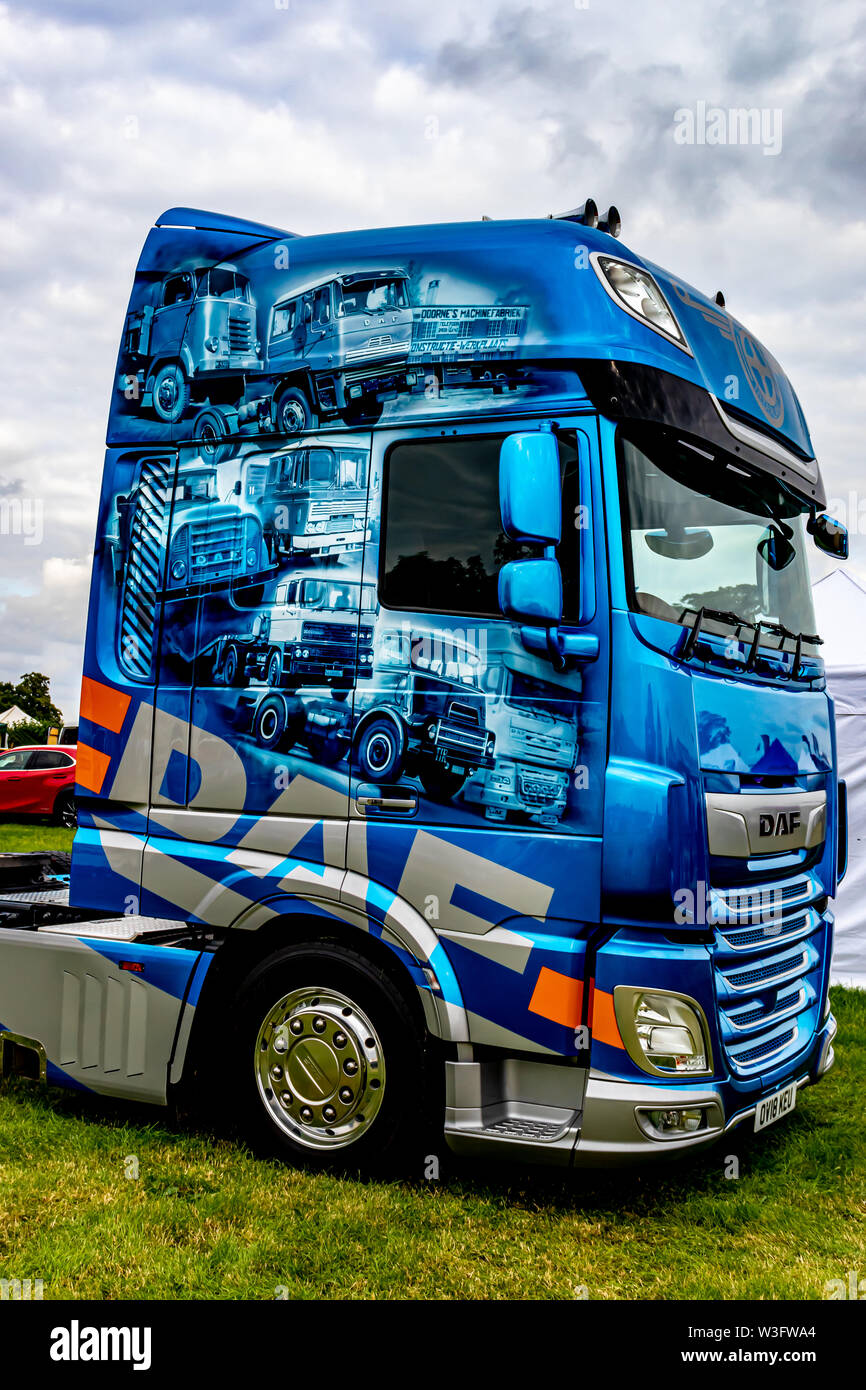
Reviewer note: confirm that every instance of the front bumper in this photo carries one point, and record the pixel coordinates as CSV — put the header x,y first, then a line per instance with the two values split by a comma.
x,y
611,1134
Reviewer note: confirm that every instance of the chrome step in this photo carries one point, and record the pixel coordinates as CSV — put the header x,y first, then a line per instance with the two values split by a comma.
x,y
117,928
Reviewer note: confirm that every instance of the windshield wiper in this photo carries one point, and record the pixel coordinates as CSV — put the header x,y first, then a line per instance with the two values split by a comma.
x,y
719,615
760,625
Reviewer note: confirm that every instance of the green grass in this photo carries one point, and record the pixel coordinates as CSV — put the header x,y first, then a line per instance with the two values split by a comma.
x,y
205,1219
36,835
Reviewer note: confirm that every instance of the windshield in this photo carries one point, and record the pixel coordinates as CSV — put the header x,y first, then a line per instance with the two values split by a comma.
x,y
702,532
339,597
368,295
195,487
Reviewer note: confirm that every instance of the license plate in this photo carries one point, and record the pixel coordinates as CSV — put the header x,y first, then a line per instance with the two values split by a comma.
x,y
773,1107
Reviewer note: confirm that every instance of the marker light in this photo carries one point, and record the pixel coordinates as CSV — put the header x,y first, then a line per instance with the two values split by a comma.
x,y
636,291
664,1033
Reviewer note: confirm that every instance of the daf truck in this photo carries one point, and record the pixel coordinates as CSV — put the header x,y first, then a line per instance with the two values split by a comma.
x,y
617,547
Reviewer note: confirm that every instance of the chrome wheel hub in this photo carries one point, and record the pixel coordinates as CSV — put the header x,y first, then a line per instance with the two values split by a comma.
x,y
320,1068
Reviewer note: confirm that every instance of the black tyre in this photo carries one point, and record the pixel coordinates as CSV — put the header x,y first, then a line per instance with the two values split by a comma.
x,y
440,783
212,429
332,1064
380,752
234,672
65,813
278,723
171,393
292,412
274,672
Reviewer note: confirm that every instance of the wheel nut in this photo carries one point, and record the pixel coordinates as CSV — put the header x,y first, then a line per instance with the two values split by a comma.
x,y
281,1042
306,1114
345,1095
339,1039
276,1073
329,1113
297,1025
350,1066
318,1025
286,1098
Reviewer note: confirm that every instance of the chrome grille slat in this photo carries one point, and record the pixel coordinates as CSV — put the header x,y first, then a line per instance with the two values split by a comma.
x,y
767,966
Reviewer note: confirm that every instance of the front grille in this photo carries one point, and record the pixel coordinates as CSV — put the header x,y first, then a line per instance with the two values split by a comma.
x,y
768,958
462,739
240,335
216,547
539,788
327,632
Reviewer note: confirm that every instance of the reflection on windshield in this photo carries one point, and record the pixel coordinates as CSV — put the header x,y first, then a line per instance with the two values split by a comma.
x,y
337,596
368,296
706,534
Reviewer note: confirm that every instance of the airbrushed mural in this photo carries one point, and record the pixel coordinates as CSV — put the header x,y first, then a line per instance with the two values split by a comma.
x,y
266,568
275,340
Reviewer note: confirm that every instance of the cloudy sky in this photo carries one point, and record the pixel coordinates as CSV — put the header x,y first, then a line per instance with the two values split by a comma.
x,y
319,115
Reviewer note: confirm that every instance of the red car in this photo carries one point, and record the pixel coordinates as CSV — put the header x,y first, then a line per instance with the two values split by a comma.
x,y
37,781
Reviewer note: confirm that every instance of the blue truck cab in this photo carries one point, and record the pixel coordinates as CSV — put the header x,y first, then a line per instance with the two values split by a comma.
x,y
495,801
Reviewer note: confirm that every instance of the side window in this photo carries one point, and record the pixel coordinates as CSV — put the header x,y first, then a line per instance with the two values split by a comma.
x,y
284,319
177,290
13,762
322,305
46,760
443,543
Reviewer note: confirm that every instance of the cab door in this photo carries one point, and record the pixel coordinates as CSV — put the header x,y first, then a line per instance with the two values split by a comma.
x,y
487,820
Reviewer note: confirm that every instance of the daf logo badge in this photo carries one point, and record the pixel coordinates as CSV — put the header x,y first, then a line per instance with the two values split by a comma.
x,y
778,822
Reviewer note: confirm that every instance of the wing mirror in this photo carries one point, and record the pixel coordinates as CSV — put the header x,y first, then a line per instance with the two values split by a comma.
x,y
530,488
829,535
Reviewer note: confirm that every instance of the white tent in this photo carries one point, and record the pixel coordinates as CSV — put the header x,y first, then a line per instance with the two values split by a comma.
x,y
840,612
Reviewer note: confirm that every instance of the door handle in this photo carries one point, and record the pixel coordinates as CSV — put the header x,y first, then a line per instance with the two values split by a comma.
x,y
405,804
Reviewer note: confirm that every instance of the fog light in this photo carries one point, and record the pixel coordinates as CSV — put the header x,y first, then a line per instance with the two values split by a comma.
x,y
664,1033
355,392
677,1122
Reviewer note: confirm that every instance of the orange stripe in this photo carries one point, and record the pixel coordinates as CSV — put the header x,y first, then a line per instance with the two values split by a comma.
x,y
603,1022
91,767
103,705
557,997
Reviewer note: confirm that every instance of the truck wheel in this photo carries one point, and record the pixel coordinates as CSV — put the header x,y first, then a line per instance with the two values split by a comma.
x,y
171,392
64,810
331,1064
212,430
292,412
233,667
274,670
380,752
440,783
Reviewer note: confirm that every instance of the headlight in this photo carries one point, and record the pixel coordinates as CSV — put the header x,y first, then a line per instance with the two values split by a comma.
x,y
178,569
319,526
252,556
211,344
665,1034
258,348
358,523
636,291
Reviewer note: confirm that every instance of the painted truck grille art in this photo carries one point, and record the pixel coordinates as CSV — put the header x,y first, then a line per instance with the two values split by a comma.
x,y
143,577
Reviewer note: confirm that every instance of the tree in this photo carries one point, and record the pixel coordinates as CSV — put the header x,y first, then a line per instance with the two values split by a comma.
x,y
33,695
